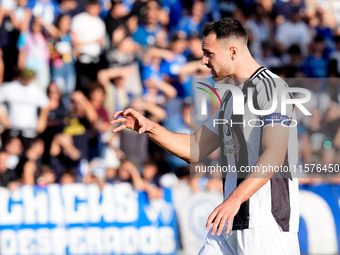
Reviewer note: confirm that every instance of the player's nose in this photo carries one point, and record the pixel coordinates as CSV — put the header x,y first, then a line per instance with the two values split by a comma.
x,y
204,60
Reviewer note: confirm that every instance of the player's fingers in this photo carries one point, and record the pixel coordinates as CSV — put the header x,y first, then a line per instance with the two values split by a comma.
x,y
119,120
215,225
133,113
129,111
220,227
228,226
117,114
210,219
119,128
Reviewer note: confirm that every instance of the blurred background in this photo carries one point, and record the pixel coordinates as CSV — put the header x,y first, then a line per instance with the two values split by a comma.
x,y
71,186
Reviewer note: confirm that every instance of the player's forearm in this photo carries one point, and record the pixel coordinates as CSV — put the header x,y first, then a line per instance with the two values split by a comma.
x,y
177,144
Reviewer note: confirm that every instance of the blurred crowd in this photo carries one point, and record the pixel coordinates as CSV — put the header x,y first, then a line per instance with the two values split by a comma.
x,y
66,66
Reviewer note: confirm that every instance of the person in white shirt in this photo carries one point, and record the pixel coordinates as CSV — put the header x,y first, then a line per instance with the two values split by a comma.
x,y
88,36
293,31
23,98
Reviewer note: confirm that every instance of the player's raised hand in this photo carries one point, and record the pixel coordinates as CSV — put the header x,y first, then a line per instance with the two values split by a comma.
x,y
131,119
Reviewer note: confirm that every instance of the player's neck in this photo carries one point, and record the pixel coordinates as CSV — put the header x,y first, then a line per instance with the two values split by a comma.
x,y
245,70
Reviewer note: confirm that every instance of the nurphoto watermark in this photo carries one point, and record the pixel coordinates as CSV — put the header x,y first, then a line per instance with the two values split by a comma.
x,y
238,114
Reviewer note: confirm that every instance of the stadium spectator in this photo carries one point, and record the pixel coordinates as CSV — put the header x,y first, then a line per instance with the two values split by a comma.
x,y
151,33
101,126
29,165
88,38
261,28
128,173
121,15
293,62
111,171
67,177
116,94
62,56
170,69
12,15
192,24
68,7
194,47
33,51
193,68
315,65
122,77
46,10
112,154
325,30
56,115
156,90
318,104
123,49
79,121
313,9
6,175
23,99
267,58
96,173
46,177
227,7
13,146
151,180
65,157
293,31
284,9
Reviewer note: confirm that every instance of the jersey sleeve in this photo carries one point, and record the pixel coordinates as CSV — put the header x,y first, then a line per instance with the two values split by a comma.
x,y
270,91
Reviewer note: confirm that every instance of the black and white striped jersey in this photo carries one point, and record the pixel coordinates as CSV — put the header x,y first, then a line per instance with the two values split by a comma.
x,y
240,141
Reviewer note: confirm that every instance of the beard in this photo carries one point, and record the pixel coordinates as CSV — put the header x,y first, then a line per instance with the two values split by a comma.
x,y
221,75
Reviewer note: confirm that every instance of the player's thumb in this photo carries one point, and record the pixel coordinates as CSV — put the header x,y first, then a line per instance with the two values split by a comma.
x,y
141,130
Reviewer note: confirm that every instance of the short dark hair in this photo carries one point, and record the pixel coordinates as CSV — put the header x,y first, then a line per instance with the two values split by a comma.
x,y
96,85
150,162
92,2
225,28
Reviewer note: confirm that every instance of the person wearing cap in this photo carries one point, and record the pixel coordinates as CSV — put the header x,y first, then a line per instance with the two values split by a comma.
x,y
23,98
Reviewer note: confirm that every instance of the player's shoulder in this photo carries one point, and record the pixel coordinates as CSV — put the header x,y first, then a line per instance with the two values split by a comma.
x,y
268,81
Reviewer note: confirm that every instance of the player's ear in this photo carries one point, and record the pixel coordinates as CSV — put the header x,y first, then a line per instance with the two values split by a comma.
x,y
233,52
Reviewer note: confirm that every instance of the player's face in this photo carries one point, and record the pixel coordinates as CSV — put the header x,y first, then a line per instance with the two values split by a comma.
x,y
215,57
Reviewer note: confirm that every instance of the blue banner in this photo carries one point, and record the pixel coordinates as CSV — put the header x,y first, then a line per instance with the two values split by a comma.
x,y
82,219
320,219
